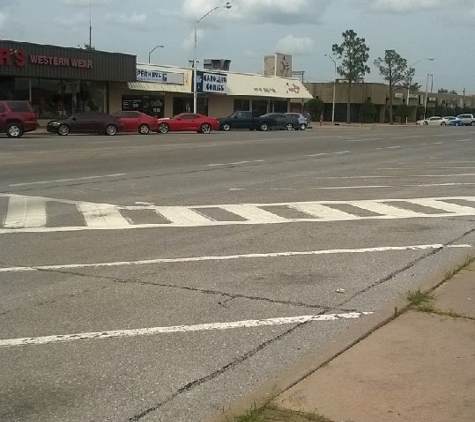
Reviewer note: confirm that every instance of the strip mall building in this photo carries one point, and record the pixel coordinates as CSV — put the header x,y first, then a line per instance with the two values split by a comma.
x,y
60,81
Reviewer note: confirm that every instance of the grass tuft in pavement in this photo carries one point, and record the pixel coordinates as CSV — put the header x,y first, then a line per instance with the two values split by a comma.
x,y
422,301
270,413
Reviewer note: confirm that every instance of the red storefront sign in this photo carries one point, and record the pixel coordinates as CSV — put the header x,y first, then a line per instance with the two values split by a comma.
x,y
10,57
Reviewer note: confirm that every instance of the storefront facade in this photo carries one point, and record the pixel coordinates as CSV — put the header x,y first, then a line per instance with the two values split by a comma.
x,y
161,91
60,81
165,91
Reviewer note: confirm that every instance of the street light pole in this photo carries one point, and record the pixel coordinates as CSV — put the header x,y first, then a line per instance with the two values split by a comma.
x,y
430,59
195,51
334,88
427,87
153,49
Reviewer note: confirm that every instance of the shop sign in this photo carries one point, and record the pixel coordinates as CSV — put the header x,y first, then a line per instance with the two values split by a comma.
x,y
215,83
265,90
11,57
157,76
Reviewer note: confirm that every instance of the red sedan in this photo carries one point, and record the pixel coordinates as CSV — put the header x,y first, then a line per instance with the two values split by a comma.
x,y
188,122
135,121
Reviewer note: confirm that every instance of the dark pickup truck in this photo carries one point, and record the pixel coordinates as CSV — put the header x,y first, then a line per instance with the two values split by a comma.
x,y
245,120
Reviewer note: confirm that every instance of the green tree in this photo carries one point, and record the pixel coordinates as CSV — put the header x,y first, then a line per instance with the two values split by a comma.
x,y
440,110
368,111
354,54
394,70
403,111
315,107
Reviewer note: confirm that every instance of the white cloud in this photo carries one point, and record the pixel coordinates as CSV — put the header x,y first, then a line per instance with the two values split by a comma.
x,y
133,19
414,6
282,12
295,45
189,41
86,2
3,19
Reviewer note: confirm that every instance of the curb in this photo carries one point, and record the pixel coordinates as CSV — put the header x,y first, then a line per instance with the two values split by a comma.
x,y
325,354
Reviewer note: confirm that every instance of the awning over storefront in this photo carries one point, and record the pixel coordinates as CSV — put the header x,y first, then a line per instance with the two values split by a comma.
x,y
157,87
248,85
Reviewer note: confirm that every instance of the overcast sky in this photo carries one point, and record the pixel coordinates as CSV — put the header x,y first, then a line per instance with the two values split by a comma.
x,y
416,29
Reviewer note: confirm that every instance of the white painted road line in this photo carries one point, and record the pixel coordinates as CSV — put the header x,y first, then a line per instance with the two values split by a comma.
x,y
233,257
253,323
424,185
100,215
253,213
25,212
182,216
44,182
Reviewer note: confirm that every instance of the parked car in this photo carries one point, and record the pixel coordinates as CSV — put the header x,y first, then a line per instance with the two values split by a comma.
x,y
433,121
87,122
239,120
278,121
303,120
16,118
467,119
188,122
135,121
453,121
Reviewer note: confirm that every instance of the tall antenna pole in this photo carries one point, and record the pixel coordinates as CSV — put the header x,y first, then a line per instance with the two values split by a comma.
x,y
90,25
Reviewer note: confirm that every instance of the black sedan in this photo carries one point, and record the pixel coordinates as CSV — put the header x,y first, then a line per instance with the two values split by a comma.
x,y
277,121
87,122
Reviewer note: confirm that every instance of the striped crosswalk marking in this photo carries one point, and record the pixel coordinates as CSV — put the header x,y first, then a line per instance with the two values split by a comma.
x,y
182,216
320,211
445,206
253,213
28,214
102,216
24,212
387,210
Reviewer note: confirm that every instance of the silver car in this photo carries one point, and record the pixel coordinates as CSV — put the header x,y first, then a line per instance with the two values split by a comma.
x,y
303,121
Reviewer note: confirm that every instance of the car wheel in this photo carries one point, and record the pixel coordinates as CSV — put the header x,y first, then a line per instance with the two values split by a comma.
x,y
144,129
472,124
14,130
163,128
264,127
226,127
426,123
205,128
289,126
443,124
63,130
302,126
111,130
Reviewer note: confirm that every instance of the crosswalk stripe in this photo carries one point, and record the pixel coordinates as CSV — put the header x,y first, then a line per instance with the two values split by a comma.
x,y
324,212
386,209
25,212
253,213
444,206
29,214
100,215
182,216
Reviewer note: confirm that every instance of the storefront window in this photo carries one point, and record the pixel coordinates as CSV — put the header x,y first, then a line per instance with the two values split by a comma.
x,y
241,105
259,107
53,98
153,105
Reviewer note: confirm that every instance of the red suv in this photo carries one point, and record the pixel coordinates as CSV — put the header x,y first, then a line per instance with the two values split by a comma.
x,y
17,117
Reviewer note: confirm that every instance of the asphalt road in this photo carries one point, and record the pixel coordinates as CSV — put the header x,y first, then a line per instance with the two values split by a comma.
x,y
159,277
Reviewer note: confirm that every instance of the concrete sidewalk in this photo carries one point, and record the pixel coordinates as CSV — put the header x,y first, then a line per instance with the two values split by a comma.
x,y
416,367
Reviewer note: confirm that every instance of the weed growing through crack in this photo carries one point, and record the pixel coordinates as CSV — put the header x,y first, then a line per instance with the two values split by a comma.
x,y
422,301
271,414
